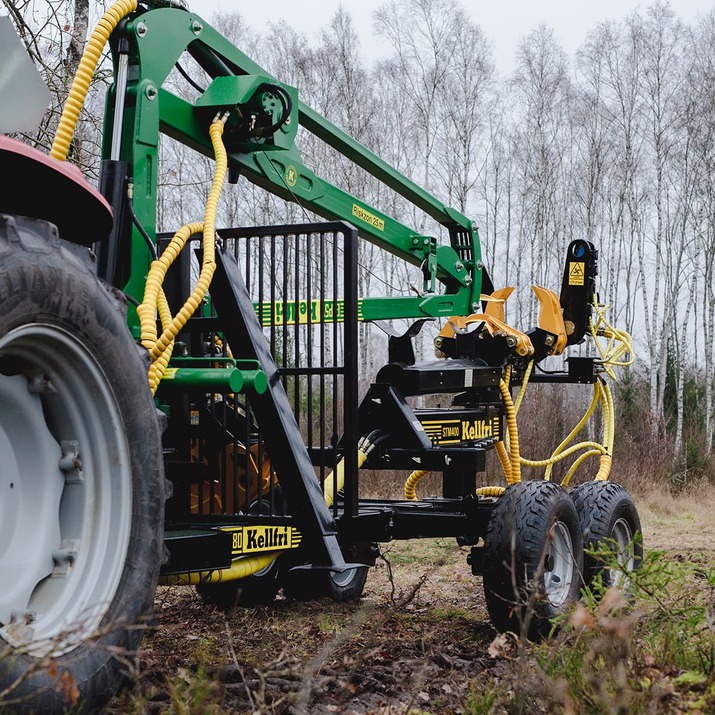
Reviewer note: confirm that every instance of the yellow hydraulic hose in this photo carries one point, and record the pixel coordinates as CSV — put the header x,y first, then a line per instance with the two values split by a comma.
x,y
412,481
577,463
513,432
504,461
158,366
339,479
524,384
609,418
490,491
566,453
83,77
160,348
247,565
157,272
511,474
582,423
610,355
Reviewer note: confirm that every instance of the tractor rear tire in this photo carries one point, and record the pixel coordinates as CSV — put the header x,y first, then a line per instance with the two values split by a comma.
x,y
609,518
81,482
533,558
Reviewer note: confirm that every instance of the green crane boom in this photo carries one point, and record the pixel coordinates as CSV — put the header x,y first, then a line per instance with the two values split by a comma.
x,y
260,140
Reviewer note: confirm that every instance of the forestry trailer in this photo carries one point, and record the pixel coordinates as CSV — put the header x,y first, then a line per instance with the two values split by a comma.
x,y
184,408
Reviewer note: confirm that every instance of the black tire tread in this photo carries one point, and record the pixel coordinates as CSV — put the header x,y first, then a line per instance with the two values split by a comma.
x,y
45,278
598,505
523,516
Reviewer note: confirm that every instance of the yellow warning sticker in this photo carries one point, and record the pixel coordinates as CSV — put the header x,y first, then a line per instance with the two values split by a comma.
x,y
577,273
367,217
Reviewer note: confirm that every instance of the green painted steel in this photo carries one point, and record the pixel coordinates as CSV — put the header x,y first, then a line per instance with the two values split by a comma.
x,y
237,376
259,138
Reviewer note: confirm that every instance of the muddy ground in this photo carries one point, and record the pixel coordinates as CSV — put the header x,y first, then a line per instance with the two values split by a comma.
x,y
418,641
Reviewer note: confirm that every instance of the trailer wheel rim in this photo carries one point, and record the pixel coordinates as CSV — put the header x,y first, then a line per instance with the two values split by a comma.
x,y
65,480
558,564
622,536
343,578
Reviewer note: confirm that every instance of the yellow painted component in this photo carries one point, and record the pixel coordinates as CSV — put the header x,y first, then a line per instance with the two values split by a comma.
x,y
240,568
300,312
521,343
367,217
262,538
493,319
454,431
244,566
233,460
495,309
81,81
577,273
551,317
496,302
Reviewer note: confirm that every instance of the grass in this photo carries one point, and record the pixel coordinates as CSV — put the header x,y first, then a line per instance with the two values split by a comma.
x,y
420,640
652,652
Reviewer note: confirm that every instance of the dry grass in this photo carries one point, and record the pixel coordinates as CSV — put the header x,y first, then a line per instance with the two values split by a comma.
x,y
679,522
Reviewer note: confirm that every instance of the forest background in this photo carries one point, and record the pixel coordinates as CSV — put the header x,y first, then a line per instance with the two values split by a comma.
x,y
615,145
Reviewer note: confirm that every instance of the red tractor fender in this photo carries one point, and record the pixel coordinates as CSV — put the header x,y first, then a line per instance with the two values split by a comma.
x,y
38,186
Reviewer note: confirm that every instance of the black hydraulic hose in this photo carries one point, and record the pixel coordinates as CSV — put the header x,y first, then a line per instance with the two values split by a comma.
x,y
286,104
140,228
191,81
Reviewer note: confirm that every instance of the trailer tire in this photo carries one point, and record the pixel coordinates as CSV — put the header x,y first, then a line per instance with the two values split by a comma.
x,y
258,589
346,586
313,585
81,486
533,558
307,585
608,516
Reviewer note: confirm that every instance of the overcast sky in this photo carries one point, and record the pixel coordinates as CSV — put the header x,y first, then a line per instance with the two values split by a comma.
x,y
504,22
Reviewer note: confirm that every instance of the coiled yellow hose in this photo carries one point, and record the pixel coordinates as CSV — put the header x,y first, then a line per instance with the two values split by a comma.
x,y
154,301
412,481
81,81
619,342
490,491
513,432
504,460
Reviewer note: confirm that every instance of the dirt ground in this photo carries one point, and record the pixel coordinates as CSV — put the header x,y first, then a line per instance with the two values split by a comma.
x,y
418,641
